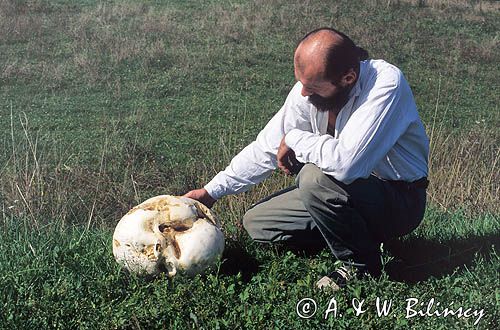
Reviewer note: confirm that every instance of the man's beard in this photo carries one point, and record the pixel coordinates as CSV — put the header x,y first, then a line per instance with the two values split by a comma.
x,y
332,103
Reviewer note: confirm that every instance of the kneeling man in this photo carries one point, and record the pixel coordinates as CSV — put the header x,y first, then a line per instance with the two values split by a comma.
x,y
350,130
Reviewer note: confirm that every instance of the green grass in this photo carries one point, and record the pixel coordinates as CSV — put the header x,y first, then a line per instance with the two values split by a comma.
x,y
105,104
66,278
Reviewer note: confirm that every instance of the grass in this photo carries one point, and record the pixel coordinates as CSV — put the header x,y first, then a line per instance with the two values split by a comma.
x,y
105,104
65,278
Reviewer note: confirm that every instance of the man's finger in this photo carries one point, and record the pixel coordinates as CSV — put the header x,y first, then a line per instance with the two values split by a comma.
x,y
283,167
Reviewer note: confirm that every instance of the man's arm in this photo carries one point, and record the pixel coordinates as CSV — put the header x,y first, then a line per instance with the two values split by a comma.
x,y
369,134
257,160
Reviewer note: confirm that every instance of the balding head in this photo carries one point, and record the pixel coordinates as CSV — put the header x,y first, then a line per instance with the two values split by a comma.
x,y
327,53
311,53
327,64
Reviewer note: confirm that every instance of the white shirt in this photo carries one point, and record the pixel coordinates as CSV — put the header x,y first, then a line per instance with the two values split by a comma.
x,y
377,132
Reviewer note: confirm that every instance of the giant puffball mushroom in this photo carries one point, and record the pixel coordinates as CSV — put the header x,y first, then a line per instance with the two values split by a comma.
x,y
168,234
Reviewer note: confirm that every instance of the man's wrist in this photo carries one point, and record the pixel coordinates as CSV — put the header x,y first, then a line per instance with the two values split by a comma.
x,y
213,190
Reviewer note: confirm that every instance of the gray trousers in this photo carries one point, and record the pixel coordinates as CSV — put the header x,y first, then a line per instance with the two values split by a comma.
x,y
352,219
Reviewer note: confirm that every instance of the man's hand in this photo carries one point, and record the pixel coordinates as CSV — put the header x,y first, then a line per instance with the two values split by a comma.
x,y
286,159
202,196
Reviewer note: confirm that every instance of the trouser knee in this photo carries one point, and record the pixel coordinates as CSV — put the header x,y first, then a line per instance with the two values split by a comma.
x,y
307,180
251,225
312,182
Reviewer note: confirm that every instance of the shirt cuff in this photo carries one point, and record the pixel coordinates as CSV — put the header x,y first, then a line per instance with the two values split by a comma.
x,y
214,190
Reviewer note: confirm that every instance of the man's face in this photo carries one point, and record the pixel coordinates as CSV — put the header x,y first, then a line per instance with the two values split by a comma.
x,y
334,102
323,94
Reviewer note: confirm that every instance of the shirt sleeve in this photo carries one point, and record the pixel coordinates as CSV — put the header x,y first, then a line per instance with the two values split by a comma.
x,y
257,160
371,131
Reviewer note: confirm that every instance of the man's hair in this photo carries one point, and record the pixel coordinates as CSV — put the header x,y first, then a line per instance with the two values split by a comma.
x,y
341,56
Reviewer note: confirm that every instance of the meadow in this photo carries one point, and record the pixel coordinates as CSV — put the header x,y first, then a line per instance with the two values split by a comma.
x,y
104,104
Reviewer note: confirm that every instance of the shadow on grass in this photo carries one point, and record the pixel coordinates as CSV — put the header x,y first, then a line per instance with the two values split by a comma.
x,y
417,259
236,259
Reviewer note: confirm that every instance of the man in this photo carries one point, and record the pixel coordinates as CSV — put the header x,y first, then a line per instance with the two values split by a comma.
x,y
354,124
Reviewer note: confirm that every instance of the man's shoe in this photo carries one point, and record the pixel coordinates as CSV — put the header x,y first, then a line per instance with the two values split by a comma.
x,y
338,279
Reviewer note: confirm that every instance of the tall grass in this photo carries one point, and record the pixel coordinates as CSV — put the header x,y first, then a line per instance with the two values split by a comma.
x,y
40,180
37,182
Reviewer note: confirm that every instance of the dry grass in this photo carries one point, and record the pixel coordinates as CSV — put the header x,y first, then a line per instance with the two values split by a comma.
x,y
474,5
41,180
37,181
100,39
113,34
21,19
464,171
103,38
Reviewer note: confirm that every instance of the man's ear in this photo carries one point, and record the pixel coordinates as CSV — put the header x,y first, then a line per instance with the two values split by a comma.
x,y
349,78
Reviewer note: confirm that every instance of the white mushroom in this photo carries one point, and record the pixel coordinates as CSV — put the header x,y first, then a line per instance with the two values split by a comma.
x,y
168,233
